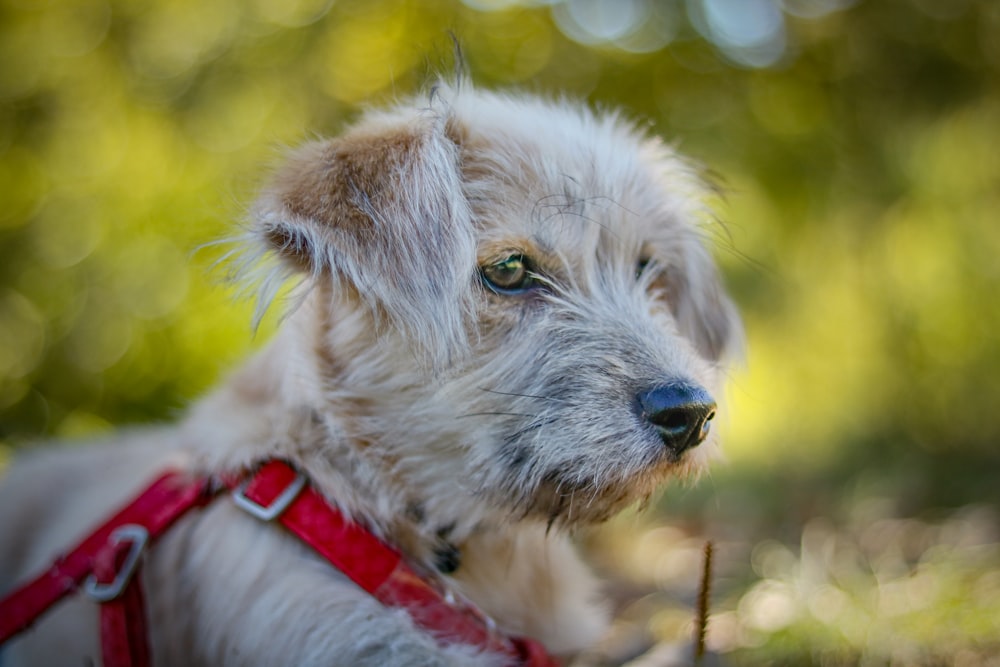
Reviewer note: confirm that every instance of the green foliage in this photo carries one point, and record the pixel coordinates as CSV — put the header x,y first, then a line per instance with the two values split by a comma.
x,y
857,147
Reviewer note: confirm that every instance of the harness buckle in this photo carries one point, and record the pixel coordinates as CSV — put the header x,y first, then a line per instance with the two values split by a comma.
x,y
137,536
277,506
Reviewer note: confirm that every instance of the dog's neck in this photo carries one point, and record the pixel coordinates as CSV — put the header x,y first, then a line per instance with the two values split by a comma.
x,y
276,406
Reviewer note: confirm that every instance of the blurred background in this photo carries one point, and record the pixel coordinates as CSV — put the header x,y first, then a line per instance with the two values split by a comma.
x,y
857,519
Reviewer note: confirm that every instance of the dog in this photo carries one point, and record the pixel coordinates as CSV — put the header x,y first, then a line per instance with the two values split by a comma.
x,y
507,325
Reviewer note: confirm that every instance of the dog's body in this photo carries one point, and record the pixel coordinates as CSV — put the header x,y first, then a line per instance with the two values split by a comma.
x,y
499,295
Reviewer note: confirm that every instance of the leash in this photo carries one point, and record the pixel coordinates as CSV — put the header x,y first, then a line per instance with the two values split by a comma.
x,y
107,561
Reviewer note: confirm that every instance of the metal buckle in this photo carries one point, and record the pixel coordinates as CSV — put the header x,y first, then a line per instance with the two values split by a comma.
x,y
277,506
138,536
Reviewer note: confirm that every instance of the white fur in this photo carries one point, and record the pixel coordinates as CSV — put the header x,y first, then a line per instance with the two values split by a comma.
x,y
418,401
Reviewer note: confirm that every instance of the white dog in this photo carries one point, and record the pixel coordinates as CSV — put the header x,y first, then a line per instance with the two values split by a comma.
x,y
507,326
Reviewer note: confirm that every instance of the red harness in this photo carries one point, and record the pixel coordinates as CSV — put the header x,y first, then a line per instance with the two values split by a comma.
x,y
105,564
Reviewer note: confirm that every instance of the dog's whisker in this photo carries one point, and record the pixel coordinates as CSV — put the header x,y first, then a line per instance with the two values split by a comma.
x,y
496,413
534,426
522,395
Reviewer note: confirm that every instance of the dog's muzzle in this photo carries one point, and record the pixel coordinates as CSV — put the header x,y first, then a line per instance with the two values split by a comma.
x,y
681,413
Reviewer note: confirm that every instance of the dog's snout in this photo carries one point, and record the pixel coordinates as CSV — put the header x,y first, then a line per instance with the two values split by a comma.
x,y
680,411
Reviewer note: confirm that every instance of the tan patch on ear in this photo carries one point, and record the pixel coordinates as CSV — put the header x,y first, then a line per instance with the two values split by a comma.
x,y
325,182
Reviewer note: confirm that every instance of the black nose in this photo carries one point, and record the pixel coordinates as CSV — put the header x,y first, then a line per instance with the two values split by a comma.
x,y
681,413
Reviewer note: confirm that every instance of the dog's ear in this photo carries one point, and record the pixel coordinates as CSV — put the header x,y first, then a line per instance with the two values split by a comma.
x,y
380,211
703,310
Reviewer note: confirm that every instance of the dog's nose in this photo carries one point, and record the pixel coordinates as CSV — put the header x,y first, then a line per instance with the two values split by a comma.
x,y
681,413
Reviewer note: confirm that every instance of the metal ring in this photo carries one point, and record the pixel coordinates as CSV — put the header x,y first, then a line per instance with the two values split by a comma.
x,y
138,536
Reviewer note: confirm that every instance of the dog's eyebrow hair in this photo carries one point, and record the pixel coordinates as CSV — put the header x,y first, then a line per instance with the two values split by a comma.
x,y
571,202
564,204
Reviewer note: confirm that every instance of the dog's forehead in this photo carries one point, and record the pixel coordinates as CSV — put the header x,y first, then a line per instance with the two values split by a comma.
x,y
566,179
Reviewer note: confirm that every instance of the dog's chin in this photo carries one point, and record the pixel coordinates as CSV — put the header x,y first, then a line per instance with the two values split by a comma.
x,y
563,500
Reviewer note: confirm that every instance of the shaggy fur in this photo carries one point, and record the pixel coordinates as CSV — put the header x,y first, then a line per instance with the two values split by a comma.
x,y
448,417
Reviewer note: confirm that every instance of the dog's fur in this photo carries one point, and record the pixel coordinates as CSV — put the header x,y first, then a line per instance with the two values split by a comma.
x,y
447,417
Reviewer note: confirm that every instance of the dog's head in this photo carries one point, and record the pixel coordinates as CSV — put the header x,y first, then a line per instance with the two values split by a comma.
x,y
511,298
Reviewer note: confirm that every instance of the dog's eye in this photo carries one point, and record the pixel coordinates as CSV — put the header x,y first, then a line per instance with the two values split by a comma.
x,y
508,276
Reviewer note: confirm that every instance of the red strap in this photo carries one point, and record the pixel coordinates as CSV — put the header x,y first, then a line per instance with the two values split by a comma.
x,y
124,638
123,618
155,509
111,553
376,567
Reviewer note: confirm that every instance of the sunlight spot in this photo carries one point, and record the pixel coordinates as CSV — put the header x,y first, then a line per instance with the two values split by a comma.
x,y
827,604
597,21
749,32
66,232
366,52
169,39
101,335
153,277
81,26
769,606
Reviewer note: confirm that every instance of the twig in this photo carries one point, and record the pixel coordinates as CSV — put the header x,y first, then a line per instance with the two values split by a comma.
x,y
701,621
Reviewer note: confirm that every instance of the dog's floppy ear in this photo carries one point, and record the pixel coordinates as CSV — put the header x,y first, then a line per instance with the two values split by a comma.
x,y
703,310
380,211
